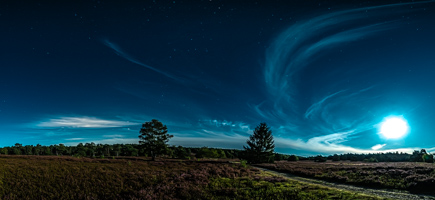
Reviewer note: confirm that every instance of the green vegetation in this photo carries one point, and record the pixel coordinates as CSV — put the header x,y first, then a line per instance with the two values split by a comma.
x,y
205,152
53,177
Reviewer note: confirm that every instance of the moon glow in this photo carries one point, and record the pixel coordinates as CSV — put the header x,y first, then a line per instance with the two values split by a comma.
x,y
394,127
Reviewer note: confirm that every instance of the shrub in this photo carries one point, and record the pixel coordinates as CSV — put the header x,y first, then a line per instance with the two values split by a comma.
x,y
243,163
293,158
320,158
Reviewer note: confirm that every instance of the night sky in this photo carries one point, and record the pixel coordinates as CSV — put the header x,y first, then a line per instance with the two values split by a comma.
x,y
322,74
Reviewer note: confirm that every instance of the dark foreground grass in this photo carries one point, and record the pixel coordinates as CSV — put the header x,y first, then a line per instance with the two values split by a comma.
x,y
35,177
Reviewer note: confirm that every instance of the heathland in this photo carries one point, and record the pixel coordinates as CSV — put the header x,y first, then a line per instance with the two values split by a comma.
x,y
66,177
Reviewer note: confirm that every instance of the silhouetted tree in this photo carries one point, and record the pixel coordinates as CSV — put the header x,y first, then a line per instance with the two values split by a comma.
x,y
90,149
80,150
153,137
117,149
417,156
428,158
423,151
260,145
37,149
60,149
335,157
28,150
107,149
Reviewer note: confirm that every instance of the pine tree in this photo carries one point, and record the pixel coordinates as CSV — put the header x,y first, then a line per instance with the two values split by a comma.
x,y
153,137
261,146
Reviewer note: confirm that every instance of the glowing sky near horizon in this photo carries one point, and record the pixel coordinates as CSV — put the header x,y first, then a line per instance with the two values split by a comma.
x,y
323,74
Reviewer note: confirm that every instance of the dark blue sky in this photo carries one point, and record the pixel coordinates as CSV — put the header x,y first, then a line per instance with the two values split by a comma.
x,y
322,74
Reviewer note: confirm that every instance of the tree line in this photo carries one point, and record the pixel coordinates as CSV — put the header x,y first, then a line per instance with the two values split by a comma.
x,y
116,150
416,156
153,139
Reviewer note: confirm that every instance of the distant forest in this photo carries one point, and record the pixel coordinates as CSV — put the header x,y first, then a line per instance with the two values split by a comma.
x,y
115,150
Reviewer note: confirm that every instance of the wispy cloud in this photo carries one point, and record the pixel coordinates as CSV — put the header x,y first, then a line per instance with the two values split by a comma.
x,y
213,133
430,150
318,105
224,127
222,123
114,136
300,44
130,58
331,112
327,144
83,122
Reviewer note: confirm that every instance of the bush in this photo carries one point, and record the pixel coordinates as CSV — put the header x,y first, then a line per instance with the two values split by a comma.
x,y
205,152
293,158
320,158
180,152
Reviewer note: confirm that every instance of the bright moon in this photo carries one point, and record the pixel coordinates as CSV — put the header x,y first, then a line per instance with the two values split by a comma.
x,y
394,127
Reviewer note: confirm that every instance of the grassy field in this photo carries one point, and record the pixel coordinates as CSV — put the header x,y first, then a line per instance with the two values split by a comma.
x,y
44,177
414,177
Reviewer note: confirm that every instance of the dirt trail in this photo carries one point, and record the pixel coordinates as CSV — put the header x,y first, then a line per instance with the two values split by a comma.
x,y
383,193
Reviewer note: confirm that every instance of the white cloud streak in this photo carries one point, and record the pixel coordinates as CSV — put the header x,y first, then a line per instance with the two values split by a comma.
x,y
378,146
74,139
326,144
83,122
